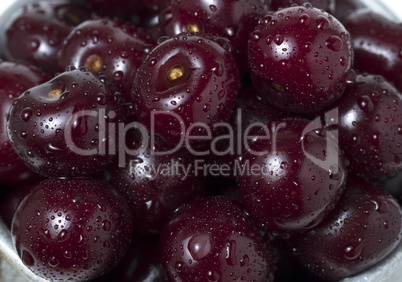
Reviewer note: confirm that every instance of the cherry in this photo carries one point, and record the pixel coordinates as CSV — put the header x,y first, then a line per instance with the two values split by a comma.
x,y
186,79
112,47
214,239
36,31
250,111
283,185
156,185
14,80
59,128
364,227
370,127
300,58
373,36
326,5
141,262
232,19
191,67
72,229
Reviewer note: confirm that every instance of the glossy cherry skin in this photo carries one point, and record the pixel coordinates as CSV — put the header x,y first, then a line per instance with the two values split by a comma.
x,y
14,80
300,58
373,36
154,188
36,31
364,227
214,239
112,47
190,76
232,19
290,191
250,111
141,262
72,229
370,127
59,128
326,5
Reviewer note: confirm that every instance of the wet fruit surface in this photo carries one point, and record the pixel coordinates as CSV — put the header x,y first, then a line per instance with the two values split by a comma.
x,y
291,181
364,227
14,80
72,229
219,245
36,32
300,58
59,129
112,47
186,79
370,127
211,128
155,186
232,19
377,43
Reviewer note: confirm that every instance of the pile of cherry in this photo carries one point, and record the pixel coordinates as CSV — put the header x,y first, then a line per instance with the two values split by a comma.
x,y
320,83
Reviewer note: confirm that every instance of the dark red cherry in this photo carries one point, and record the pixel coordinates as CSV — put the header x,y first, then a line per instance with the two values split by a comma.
x,y
377,42
14,80
364,227
156,185
300,58
185,80
72,229
326,5
36,31
370,127
232,19
59,128
112,47
141,262
250,113
291,180
214,239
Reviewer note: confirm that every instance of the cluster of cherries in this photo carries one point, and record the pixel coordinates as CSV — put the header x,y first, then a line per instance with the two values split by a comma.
x,y
107,107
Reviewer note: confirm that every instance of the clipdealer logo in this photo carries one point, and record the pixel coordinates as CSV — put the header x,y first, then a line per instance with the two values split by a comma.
x,y
238,140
